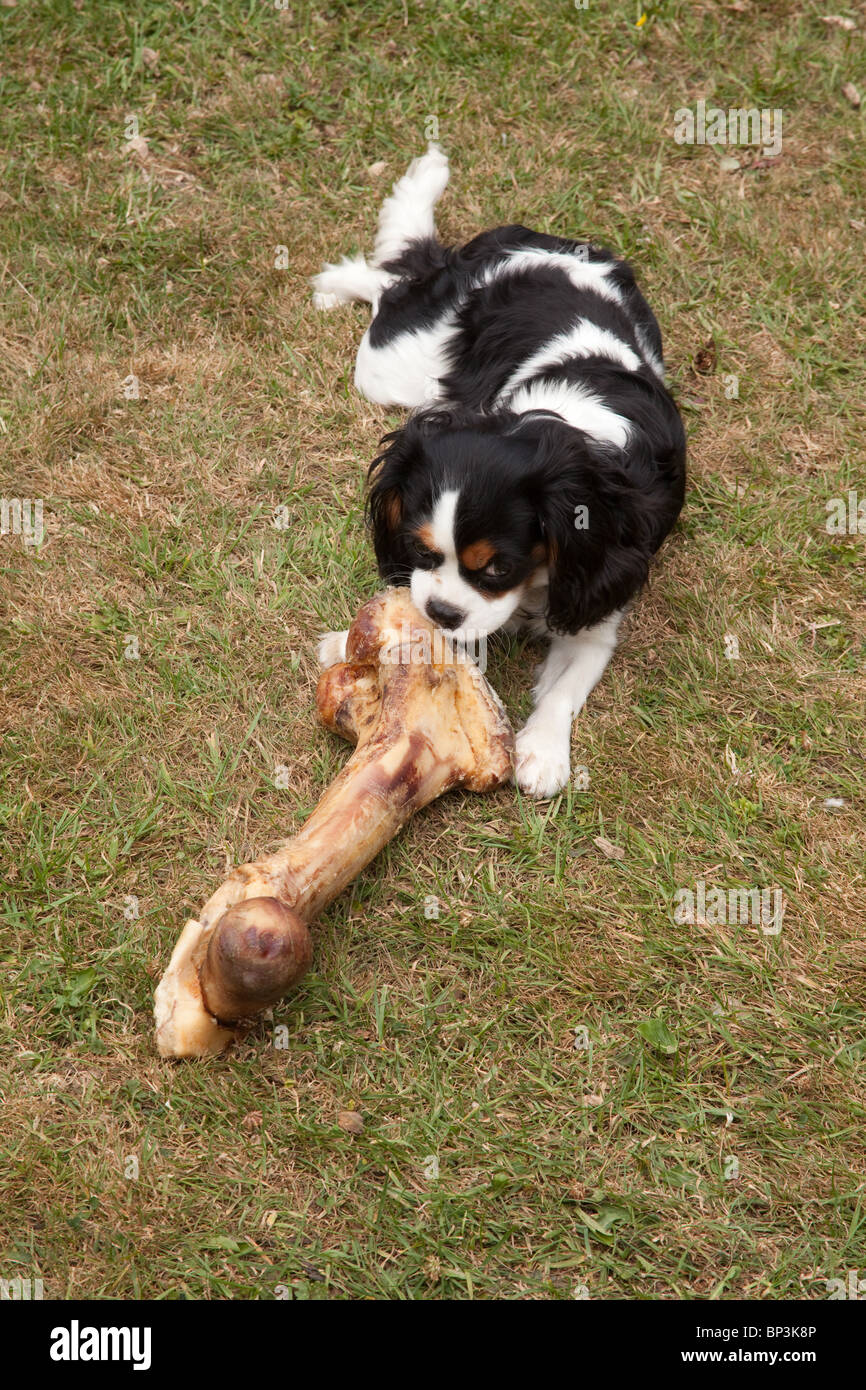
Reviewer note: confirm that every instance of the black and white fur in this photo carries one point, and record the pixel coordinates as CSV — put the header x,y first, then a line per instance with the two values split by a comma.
x,y
543,433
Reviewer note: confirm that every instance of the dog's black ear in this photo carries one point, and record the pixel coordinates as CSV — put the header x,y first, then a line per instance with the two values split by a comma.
x,y
387,477
597,523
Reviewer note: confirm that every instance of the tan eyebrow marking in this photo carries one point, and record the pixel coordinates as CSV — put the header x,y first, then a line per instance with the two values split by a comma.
x,y
477,555
425,535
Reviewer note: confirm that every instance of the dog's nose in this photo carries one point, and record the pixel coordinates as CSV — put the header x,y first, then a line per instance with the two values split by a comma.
x,y
444,614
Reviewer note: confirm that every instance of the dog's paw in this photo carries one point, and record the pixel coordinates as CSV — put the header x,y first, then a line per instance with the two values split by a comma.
x,y
542,763
329,287
331,649
323,300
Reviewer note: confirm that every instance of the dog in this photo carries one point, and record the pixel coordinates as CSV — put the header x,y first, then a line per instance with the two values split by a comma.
x,y
544,461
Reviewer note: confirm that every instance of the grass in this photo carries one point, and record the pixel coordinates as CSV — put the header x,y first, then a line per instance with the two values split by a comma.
x,y
582,1067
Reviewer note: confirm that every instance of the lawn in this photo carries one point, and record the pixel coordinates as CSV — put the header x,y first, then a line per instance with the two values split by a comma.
x,y
562,1088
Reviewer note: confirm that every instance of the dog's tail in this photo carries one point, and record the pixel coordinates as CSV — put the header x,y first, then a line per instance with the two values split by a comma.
x,y
407,215
405,222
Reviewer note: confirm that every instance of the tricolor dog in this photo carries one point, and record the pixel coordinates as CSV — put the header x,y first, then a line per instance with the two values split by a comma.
x,y
543,463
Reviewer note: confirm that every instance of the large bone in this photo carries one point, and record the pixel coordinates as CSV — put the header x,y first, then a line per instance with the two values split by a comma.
x,y
424,720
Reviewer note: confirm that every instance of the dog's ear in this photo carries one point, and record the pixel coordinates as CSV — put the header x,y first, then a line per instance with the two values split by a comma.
x,y
387,479
596,520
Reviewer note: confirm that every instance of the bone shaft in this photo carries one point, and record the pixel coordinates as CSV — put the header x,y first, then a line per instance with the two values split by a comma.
x,y
379,789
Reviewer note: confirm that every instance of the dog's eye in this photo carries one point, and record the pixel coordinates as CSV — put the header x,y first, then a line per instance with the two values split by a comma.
x,y
496,569
425,553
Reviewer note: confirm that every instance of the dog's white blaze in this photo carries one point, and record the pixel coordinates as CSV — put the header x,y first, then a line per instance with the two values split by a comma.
x,y
446,584
442,524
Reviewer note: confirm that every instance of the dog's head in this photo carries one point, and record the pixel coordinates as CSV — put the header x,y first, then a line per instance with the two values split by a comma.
x,y
474,514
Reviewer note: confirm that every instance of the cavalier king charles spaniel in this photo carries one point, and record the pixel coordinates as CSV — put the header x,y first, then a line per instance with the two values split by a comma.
x,y
544,462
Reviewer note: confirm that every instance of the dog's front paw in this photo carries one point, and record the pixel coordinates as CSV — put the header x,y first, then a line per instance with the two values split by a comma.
x,y
542,763
331,649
